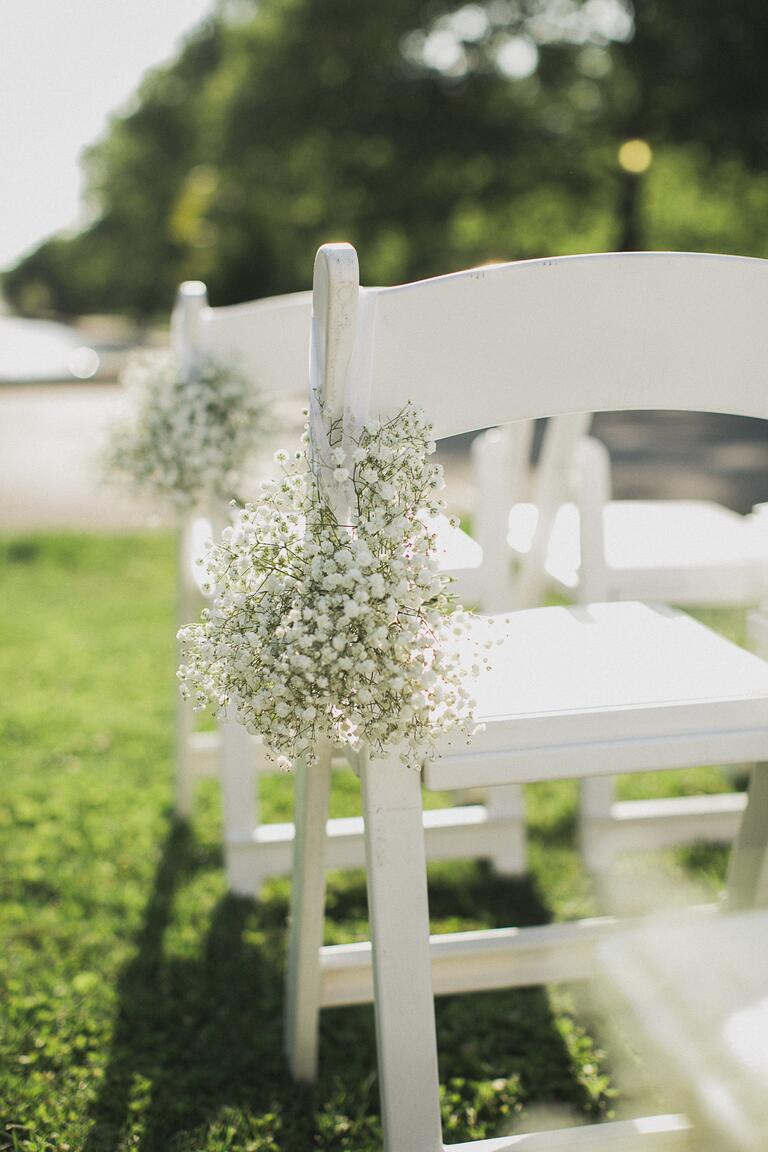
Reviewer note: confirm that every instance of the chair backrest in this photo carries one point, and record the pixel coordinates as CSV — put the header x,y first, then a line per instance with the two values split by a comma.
x,y
267,339
594,333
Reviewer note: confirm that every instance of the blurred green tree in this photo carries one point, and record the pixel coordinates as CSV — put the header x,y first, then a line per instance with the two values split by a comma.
x,y
430,134
434,135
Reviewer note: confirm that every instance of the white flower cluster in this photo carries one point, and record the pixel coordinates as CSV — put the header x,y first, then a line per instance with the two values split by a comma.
x,y
184,439
329,623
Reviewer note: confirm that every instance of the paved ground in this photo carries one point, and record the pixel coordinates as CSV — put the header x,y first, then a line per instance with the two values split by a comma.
x,y
723,458
50,437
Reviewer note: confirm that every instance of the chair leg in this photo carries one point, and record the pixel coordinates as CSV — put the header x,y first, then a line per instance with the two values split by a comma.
x,y
399,919
239,803
747,883
184,798
595,839
312,795
508,856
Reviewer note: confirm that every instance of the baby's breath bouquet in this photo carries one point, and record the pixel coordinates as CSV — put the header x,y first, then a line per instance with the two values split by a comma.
x,y
186,436
330,616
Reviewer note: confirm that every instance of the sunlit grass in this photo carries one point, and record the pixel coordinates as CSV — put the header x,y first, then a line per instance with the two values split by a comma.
x,y
142,1006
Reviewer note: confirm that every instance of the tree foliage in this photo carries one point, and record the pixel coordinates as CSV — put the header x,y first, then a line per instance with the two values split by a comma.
x,y
430,134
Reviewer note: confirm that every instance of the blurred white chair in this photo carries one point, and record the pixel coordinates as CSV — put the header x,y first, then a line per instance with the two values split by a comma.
x,y
702,1026
594,689
587,545
268,340
566,533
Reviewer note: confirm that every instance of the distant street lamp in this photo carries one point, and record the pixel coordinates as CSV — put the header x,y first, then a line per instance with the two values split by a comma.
x,y
634,158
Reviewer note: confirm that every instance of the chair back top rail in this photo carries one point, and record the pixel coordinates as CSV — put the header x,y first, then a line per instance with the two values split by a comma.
x,y
267,339
605,332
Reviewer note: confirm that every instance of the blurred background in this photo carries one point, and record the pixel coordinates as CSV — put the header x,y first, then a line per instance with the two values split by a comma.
x,y
225,141
434,136
150,141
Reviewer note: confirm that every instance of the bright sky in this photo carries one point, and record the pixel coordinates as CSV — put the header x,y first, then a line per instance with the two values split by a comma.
x,y
64,66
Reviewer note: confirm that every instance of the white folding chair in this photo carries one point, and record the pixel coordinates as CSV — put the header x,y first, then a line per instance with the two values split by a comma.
x,y
268,340
590,690
564,531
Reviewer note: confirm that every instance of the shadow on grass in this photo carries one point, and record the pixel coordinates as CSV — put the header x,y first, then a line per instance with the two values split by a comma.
x,y
191,1035
196,1059
460,890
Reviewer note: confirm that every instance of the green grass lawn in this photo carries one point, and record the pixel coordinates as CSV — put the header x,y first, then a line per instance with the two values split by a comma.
x,y
141,1005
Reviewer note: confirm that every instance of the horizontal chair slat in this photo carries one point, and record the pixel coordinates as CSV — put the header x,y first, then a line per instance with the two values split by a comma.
x,y
652,825
481,961
475,961
450,833
725,805
520,765
205,749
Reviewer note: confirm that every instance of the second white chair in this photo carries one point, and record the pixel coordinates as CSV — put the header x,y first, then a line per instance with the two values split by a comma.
x,y
268,341
565,532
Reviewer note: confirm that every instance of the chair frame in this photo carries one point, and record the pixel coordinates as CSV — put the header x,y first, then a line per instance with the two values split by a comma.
x,y
551,312
269,339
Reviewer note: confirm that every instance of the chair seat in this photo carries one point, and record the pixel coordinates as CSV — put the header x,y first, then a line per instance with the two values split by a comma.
x,y
604,673
689,551
707,1022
